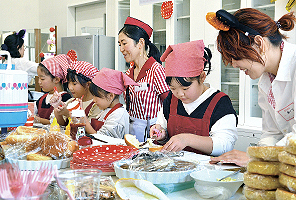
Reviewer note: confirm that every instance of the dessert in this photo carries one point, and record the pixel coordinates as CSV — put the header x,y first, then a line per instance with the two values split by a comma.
x,y
264,168
261,182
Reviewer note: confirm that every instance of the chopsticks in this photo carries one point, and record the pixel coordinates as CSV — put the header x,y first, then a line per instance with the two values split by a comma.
x,y
229,175
94,138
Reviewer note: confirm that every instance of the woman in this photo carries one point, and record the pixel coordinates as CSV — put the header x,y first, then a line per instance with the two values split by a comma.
x,y
251,41
14,44
144,101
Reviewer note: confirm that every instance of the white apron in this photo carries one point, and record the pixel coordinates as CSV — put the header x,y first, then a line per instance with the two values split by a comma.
x,y
138,127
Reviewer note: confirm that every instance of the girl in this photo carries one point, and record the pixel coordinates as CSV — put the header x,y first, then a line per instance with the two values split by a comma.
x,y
253,43
14,43
52,74
106,87
144,102
79,78
194,117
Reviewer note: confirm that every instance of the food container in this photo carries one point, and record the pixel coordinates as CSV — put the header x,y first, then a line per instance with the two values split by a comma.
x,y
13,95
82,183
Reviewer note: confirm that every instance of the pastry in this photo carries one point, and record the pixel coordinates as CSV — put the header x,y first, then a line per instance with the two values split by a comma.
x,y
287,158
282,194
288,169
37,156
255,194
267,153
261,182
288,181
264,168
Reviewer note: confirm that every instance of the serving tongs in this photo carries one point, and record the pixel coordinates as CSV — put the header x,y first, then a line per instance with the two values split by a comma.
x,y
229,175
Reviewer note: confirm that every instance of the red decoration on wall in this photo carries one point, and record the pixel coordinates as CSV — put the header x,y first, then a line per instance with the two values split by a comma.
x,y
51,29
41,55
166,9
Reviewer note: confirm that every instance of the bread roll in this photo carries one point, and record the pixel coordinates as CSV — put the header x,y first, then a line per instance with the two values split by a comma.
x,y
14,139
56,145
288,169
155,148
261,182
287,158
264,168
131,140
25,130
267,153
36,156
288,181
254,194
282,194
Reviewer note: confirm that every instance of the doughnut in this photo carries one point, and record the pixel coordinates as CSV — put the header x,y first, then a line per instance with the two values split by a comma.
x,y
291,144
264,168
254,194
287,158
36,156
288,169
288,181
261,182
267,153
282,194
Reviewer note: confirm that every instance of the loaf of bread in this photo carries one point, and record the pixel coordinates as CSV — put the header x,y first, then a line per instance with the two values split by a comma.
x,y
131,140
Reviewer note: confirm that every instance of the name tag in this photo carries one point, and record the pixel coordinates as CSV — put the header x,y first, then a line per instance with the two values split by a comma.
x,y
143,87
288,112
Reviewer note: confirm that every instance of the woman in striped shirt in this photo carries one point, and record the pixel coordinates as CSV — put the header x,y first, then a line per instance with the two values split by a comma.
x,y
143,102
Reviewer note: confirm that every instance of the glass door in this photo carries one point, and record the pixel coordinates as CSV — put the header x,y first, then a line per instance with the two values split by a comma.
x,y
183,21
159,28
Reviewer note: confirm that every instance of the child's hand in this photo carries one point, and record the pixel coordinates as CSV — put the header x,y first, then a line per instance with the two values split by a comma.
x,y
176,143
62,110
56,100
157,132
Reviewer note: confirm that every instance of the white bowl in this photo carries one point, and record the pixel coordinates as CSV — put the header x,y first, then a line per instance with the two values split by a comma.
x,y
153,177
208,179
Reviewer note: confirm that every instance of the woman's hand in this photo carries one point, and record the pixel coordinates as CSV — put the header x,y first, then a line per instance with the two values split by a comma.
x,y
157,132
237,157
176,143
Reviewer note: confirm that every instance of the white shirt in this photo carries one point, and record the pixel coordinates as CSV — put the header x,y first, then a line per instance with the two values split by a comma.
x,y
223,132
116,124
278,122
26,65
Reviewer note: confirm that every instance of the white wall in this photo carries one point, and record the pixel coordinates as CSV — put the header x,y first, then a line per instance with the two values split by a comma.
x,y
16,15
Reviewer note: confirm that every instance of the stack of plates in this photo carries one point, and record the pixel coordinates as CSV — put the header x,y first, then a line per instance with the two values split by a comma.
x,y
101,157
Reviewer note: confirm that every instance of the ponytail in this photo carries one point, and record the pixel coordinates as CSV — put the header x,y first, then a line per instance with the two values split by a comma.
x,y
153,52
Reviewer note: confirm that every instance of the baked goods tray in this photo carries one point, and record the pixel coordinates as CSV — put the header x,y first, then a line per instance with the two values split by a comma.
x,y
32,164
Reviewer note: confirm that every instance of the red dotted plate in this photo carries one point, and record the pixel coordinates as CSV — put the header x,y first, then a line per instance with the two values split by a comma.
x,y
104,168
166,9
103,154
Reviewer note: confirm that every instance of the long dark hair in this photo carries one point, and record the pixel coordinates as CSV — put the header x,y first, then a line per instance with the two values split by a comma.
x,y
187,81
135,33
13,43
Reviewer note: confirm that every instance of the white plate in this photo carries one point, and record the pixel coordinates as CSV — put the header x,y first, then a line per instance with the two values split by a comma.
x,y
32,164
